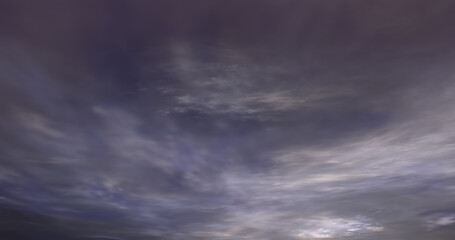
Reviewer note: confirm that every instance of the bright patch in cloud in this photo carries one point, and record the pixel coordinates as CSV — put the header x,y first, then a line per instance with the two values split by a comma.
x,y
336,227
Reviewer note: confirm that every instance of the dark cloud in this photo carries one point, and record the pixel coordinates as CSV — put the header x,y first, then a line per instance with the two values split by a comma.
x,y
148,120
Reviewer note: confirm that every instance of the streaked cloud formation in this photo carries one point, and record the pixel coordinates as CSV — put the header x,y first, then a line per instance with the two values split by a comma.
x,y
297,120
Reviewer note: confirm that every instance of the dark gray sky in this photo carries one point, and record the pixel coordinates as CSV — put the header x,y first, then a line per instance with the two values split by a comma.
x,y
227,120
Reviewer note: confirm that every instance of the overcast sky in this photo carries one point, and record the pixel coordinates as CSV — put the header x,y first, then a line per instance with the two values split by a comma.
x,y
227,120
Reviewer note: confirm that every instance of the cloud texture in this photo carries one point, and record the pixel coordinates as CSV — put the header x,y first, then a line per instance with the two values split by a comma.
x,y
227,120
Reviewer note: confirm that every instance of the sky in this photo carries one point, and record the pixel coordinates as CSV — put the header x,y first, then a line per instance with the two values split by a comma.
x,y
227,120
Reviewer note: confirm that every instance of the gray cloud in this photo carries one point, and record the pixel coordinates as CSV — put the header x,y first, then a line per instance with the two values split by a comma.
x,y
149,125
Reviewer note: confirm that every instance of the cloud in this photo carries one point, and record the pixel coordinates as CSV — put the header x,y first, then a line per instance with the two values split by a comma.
x,y
332,136
125,166
335,227
237,85
439,219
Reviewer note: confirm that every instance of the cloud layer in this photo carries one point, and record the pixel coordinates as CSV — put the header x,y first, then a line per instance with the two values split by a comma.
x,y
299,120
